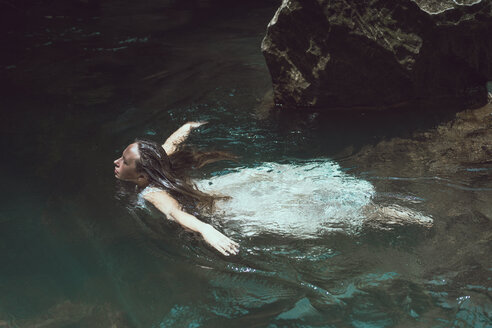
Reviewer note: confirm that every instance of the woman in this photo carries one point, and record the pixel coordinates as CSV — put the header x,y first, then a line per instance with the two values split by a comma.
x,y
159,173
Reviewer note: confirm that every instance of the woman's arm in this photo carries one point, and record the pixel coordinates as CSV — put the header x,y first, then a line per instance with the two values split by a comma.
x,y
179,136
171,208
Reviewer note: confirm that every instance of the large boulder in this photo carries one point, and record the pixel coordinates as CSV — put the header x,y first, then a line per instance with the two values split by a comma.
x,y
378,53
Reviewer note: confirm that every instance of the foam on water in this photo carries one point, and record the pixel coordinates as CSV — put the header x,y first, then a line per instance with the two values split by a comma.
x,y
304,199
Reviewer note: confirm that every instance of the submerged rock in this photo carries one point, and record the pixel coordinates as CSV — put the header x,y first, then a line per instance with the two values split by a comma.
x,y
69,314
464,143
378,53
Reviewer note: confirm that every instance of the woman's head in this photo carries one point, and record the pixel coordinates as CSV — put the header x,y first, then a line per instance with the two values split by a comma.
x,y
145,162
125,166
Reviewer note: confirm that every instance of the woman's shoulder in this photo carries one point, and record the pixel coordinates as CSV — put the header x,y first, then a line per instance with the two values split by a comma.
x,y
150,195
144,194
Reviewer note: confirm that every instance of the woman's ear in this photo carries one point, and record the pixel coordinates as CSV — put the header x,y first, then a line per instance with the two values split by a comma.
x,y
142,177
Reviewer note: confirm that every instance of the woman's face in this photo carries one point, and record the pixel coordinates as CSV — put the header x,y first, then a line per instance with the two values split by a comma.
x,y
125,166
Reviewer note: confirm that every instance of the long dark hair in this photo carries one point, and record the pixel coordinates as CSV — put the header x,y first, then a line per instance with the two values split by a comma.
x,y
171,173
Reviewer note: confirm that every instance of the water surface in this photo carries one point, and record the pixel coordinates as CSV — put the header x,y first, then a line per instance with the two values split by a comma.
x,y
82,87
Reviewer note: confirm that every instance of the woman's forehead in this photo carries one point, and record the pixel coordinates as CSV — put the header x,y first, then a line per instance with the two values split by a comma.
x,y
131,152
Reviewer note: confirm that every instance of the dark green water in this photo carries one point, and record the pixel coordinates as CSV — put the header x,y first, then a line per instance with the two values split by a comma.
x,y
77,89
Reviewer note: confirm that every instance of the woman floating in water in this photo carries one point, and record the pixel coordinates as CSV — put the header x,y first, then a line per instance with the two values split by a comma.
x,y
160,175
305,199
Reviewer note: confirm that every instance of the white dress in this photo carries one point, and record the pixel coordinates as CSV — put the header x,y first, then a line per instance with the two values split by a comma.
x,y
304,200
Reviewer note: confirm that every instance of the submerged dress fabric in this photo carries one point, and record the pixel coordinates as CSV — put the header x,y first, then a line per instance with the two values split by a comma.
x,y
303,200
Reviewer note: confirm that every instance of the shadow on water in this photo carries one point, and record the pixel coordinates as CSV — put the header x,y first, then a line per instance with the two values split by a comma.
x,y
344,132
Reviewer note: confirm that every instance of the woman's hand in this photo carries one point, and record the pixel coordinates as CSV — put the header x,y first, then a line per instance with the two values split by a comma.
x,y
219,241
194,125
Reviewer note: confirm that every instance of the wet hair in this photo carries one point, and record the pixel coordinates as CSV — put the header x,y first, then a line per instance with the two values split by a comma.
x,y
171,173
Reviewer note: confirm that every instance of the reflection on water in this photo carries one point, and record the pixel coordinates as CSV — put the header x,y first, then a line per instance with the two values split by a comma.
x,y
74,257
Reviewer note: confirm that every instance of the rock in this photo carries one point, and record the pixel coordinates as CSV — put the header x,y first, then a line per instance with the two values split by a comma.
x,y
489,91
378,53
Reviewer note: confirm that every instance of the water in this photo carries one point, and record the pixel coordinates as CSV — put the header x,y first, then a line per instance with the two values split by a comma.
x,y
82,87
